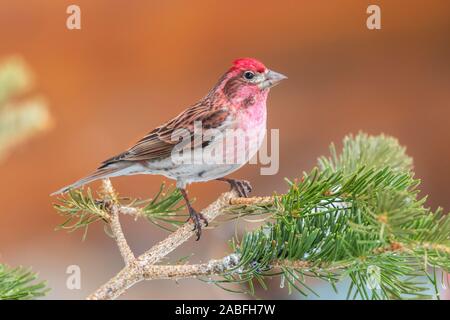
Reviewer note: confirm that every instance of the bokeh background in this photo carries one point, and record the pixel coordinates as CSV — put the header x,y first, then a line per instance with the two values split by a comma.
x,y
135,64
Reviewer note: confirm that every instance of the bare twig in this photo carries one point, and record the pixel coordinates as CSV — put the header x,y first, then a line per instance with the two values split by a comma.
x,y
116,229
252,201
114,209
213,267
138,269
144,268
185,232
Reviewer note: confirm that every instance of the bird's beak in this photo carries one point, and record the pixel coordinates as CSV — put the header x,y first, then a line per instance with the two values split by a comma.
x,y
272,79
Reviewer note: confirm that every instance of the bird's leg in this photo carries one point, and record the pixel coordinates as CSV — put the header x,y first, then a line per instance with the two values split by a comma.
x,y
242,187
194,215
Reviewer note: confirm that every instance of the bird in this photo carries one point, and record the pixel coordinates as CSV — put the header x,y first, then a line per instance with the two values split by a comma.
x,y
237,103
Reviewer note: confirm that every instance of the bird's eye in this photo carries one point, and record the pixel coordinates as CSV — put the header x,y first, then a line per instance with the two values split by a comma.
x,y
249,75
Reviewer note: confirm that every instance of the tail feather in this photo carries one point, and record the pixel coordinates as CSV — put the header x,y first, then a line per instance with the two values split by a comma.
x,y
98,174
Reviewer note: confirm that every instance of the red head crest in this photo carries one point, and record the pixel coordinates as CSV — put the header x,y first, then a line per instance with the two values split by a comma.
x,y
248,64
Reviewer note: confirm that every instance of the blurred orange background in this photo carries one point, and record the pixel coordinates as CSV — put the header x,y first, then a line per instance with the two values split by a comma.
x,y
135,64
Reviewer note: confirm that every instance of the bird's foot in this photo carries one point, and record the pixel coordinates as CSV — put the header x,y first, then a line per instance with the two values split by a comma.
x,y
196,218
242,187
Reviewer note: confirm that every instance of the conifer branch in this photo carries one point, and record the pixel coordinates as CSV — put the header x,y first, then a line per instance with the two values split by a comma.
x,y
20,284
137,269
357,215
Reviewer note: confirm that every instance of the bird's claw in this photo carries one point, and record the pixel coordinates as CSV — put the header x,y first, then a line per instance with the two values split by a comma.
x,y
242,187
196,218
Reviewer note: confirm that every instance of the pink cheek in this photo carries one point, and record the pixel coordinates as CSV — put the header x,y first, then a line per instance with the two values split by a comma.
x,y
247,91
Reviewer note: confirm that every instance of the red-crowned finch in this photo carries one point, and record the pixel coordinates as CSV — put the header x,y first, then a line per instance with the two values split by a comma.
x,y
235,107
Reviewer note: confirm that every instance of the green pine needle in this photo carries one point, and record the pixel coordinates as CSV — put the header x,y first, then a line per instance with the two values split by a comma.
x,y
20,284
80,209
358,216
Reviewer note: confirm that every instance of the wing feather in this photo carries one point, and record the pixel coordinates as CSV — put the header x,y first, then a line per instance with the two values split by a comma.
x,y
158,144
